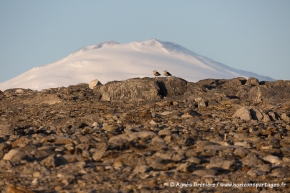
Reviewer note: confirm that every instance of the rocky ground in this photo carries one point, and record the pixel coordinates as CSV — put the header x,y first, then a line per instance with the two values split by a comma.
x,y
147,135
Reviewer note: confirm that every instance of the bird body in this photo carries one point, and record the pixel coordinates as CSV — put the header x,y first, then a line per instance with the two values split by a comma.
x,y
156,73
166,73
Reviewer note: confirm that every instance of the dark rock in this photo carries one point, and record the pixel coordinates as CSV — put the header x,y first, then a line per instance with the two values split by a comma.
x,y
53,161
171,86
235,82
43,152
143,89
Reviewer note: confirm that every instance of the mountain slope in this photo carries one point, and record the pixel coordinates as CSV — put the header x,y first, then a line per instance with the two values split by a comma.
x,y
112,61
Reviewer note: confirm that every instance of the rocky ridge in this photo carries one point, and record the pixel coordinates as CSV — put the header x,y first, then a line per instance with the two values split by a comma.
x,y
146,135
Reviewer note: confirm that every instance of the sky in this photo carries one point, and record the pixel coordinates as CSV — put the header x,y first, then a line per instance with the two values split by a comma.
x,y
251,35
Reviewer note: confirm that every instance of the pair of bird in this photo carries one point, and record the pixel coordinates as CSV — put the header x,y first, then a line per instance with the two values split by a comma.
x,y
158,74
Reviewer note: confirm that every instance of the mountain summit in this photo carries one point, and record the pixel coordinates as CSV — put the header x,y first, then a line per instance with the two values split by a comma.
x,y
110,61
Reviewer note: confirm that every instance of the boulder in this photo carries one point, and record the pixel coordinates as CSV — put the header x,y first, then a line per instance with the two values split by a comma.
x,y
5,128
171,86
208,84
193,90
15,156
272,93
234,82
255,95
285,117
243,113
252,81
53,161
94,83
13,189
272,159
248,113
258,114
128,90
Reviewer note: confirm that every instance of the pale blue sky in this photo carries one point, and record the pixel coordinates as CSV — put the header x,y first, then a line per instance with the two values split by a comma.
x,y
252,35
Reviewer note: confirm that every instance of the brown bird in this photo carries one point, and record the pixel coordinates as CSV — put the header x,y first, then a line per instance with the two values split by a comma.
x,y
166,73
156,73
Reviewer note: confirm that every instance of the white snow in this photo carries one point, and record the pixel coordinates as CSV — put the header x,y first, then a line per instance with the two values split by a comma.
x,y
112,61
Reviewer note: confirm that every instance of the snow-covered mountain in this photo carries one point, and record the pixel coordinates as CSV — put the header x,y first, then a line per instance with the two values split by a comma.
x,y
113,61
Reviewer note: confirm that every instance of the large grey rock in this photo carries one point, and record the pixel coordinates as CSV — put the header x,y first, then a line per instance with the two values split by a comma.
x,y
272,92
248,113
171,86
255,95
234,82
136,88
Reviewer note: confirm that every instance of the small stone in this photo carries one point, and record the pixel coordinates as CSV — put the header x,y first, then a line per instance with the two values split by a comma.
x,y
5,147
153,123
272,159
241,152
96,125
15,155
273,115
200,102
36,174
285,117
251,160
166,113
205,172
35,181
142,169
19,91
186,167
243,144
164,132
193,160
13,189
53,161
10,154
280,172
175,103
58,188
82,183
243,113
220,163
